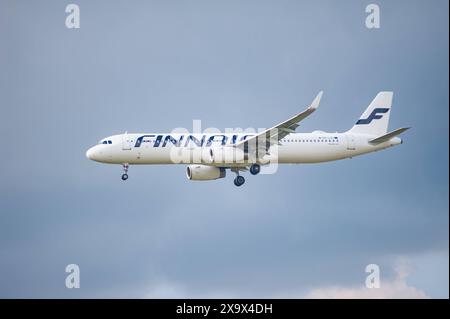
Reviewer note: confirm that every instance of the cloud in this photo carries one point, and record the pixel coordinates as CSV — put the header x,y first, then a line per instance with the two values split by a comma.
x,y
389,290
166,291
396,288
170,290
393,288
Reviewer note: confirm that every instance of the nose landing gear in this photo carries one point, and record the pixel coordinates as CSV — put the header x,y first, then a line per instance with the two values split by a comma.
x,y
125,172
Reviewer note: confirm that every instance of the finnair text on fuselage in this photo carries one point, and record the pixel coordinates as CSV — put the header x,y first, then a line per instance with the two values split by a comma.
x,y
204,140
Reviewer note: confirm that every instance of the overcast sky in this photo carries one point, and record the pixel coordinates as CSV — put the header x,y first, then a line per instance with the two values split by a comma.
x,y
152,66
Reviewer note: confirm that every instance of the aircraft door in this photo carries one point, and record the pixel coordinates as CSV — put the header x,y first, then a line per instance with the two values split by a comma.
x,y
350,142
126,142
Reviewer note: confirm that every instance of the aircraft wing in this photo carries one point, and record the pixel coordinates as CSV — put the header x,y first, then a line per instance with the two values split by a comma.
x,y
261,142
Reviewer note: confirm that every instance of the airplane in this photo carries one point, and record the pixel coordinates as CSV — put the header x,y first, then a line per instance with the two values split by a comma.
x,y
209,155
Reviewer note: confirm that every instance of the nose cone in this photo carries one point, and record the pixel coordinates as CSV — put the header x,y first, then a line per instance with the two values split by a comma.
x,y
90,154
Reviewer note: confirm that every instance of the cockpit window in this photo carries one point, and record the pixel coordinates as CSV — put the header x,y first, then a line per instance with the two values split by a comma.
x,y
105,142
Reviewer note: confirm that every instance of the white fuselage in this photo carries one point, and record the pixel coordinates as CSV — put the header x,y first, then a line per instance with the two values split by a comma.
x,y
168,148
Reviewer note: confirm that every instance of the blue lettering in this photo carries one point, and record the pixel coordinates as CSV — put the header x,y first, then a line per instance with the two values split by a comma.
x,y
197,142
211,140
139,140
158,141
172,140
245,137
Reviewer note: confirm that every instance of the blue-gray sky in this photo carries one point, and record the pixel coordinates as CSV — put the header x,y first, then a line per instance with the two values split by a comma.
x,y
309,230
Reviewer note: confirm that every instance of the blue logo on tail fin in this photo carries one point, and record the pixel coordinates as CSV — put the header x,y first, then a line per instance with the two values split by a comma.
x,y
375,115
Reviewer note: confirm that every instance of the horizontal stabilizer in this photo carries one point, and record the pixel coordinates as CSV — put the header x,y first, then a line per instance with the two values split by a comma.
x,y
386,137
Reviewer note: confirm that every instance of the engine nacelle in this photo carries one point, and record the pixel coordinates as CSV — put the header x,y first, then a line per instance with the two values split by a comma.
x,y
204,172
227,155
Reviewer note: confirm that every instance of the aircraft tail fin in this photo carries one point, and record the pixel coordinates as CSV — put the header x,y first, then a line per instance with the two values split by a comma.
x,y
375,119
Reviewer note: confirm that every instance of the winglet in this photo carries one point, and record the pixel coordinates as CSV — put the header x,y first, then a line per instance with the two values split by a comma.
x,y
315,104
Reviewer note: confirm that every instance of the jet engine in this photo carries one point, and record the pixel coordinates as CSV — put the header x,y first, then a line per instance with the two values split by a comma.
x,y
204,172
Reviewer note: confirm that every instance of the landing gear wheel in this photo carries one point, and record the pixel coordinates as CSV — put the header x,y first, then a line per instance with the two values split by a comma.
x,y
239,180
255,169
125,172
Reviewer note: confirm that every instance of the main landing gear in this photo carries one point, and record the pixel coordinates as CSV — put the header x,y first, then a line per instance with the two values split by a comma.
x,y
255,169
125,172
239,180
